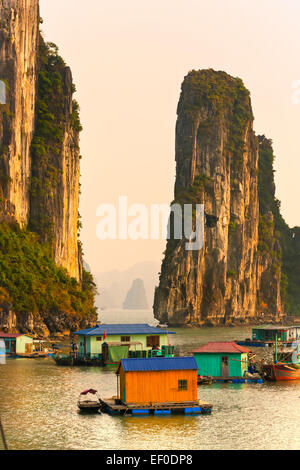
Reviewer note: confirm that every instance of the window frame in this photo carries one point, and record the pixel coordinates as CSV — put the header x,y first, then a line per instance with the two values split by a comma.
x,y
125,339
182,385
153,341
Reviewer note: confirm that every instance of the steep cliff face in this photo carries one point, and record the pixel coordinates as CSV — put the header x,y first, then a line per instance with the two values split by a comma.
x,y
42,283
39,134
278,241
18,63
217,165
54,191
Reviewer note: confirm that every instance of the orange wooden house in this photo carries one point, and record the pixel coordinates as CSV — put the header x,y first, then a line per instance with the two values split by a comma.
x,y
157,380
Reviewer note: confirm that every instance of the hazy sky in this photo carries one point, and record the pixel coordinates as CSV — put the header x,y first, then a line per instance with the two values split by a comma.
x,y
129,58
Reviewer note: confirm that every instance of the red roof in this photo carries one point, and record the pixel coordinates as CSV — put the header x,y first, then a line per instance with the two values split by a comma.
x,y
222,347
8,335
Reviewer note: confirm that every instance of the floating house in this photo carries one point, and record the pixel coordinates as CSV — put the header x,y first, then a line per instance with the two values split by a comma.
x,y
268,333
157,380
157,386
222,360
17,344
263,336
112,342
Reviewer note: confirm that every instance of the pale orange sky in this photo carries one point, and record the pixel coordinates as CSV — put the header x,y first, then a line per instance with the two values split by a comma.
x,y
128,59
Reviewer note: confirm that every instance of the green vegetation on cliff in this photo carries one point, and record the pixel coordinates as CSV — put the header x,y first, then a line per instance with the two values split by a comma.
x,y
52,114
30,280
32,283
224,97
288,238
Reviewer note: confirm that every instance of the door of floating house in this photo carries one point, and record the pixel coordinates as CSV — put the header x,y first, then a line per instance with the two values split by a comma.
x,y
84,346
224,366
222,360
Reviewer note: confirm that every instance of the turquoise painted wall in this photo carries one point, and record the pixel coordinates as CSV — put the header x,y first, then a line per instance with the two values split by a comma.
x,y
81,344
95,347
210,364
88,345
7,342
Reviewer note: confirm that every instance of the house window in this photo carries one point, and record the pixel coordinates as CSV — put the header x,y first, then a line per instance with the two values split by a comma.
x,y
98,338
153,341
182,384
125,339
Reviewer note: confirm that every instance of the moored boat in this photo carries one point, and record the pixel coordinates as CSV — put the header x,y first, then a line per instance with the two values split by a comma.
x,y
286,365
204,380
286,371
87,404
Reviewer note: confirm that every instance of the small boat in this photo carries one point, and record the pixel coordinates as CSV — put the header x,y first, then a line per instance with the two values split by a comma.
x,y
87,404
204,380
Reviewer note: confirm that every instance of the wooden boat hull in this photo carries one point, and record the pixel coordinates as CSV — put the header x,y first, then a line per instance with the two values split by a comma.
x,y
89,406
284,372
281,372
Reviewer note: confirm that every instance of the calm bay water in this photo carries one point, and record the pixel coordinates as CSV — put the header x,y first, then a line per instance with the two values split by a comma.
x,y
38,406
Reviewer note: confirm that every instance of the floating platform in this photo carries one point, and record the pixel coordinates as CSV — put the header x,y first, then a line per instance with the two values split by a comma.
x,y
238,380
256,344
113,406
63,360
33,355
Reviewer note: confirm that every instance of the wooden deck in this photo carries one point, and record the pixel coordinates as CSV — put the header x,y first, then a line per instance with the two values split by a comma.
x,y
116,407
33,355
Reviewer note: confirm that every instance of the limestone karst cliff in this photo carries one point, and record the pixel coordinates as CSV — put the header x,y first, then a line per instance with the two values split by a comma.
x,y
229,280
19,35
281,242
55,160
42,281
